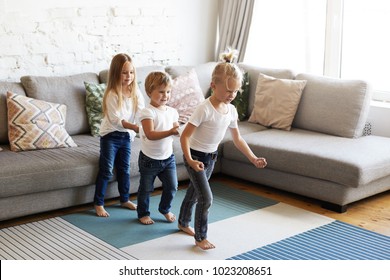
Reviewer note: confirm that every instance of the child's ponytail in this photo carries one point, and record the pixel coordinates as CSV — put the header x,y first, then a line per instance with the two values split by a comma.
x,y
229,55
226,69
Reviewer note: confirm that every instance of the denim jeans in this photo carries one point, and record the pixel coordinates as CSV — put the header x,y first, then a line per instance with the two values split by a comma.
x,y
149,169
199,193
115,151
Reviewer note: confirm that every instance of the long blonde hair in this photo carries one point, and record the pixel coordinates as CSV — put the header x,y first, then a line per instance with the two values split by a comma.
x,y
114,83
226,69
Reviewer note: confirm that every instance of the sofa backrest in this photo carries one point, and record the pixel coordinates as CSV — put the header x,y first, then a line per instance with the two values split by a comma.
x,y
4,87
68,90
333,106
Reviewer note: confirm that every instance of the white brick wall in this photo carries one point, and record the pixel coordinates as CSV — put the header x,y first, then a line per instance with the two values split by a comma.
x,y
45,37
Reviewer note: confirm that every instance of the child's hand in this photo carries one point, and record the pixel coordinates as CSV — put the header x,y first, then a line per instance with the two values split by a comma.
x,y
174,130
136,128
260,162
196,165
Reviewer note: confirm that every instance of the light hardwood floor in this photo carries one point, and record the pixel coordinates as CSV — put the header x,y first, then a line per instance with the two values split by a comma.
x,y
372,213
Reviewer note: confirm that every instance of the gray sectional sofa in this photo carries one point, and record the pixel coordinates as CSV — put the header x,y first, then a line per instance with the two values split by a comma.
x,y
324,156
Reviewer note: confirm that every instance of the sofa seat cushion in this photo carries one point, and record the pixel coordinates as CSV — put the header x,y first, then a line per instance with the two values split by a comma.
x,y
43,170
316,155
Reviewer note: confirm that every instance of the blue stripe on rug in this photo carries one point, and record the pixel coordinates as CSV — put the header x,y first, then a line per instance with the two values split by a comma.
x,y
123,229
334,241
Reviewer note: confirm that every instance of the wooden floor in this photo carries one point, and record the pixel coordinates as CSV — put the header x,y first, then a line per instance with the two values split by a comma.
x,y
372,213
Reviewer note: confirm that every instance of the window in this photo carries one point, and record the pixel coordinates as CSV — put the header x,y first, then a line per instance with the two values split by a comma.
x,y
340,38
365,49
288,34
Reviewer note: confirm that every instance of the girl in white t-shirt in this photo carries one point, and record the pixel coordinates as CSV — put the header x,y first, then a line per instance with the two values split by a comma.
x,y
199,141
156,159
121,102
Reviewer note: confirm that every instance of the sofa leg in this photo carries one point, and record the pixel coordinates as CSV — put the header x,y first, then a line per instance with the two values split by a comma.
x,y
334,207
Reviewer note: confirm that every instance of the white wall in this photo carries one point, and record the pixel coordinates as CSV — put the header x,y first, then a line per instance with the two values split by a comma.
x,y
46,37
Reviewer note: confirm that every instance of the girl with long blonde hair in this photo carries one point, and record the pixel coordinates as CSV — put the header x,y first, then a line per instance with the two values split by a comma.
x,y
121,103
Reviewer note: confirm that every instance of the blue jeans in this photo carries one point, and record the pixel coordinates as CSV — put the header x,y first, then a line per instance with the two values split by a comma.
x,y
115,150
199,193
149,169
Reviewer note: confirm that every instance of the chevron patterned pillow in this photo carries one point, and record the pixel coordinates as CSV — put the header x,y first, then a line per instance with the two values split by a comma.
x,y
35,124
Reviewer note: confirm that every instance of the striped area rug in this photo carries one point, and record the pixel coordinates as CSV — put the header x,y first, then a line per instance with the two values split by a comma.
x,y
243,226
334,241
54,239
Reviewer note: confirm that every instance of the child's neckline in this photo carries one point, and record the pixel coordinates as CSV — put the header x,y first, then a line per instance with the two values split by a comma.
x,y
222,111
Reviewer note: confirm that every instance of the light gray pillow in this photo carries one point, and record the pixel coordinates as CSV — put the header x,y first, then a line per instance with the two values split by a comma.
x,y
333,106
68,90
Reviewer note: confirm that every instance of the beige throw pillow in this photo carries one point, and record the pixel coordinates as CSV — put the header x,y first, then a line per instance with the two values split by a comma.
x,y
276,101
35,124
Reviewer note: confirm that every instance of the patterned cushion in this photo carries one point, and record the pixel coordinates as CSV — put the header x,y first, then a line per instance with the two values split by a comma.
x,y
186,95
36,124
94,99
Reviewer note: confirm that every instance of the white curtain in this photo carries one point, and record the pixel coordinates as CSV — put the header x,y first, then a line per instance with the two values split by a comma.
x,y
234,18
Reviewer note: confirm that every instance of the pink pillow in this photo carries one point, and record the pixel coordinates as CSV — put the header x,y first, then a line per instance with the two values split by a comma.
x,y
186,95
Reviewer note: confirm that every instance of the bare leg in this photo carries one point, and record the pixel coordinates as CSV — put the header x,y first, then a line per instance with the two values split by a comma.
x,y
100,211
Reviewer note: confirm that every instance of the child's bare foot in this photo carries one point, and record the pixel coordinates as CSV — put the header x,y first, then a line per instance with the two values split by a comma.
x,y
170,217
100,211
146,220
189,230
129,205
204,244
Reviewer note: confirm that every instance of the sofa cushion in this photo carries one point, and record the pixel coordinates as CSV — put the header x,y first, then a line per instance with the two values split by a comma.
x,y
186,94
44,170
316,155
4,87
333,106
68,90
93,103
276,101
254,71
203,71
36,124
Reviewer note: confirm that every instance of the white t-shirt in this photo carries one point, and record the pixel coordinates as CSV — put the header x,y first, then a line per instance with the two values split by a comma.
x,y
162,120
211,126
112,121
